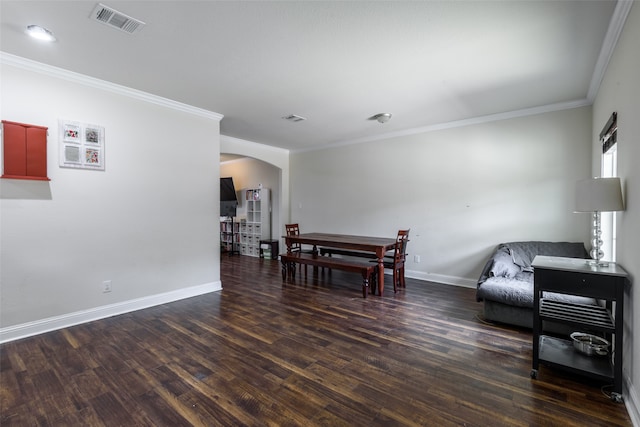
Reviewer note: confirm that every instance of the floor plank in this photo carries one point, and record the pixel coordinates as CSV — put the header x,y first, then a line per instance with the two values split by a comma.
x,y
312,352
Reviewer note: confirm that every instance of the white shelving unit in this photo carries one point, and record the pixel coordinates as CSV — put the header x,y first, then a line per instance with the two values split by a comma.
x,y
257,225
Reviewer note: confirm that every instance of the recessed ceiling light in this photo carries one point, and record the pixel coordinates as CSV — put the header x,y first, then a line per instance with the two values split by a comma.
x,y
40,33
381,117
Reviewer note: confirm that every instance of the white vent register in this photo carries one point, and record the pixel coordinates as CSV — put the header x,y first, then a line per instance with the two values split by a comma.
x,y
111,17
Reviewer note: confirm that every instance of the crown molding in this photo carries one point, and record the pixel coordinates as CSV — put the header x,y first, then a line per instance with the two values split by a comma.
x,y
240,141
608,46
459,123
60,73
616,25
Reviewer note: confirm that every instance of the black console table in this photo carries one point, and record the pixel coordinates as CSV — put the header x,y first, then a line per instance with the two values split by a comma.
x,y
579,277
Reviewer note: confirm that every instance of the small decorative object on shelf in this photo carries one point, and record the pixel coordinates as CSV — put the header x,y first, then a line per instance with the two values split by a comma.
x,y
591,345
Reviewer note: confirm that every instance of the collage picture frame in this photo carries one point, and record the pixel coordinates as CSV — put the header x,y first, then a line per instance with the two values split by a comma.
x,y
81,145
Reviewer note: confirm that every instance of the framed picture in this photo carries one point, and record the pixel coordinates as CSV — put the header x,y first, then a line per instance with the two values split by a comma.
x,y
81,145
71,154
93,135
71,133
92,157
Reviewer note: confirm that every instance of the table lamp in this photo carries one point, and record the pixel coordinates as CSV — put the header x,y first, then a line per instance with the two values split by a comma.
x,y
597,195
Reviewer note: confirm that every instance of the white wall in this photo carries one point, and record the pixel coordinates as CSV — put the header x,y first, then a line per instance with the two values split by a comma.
x,y
620,92
149,222
461,191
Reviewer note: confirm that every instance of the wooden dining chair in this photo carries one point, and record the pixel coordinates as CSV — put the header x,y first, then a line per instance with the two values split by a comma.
x,y
396,261
294,230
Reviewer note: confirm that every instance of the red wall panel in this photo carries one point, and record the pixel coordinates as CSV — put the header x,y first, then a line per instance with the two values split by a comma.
x,y
25,151
37,152
15,149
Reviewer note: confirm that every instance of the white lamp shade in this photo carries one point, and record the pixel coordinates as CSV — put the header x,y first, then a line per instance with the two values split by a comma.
x,y
599,195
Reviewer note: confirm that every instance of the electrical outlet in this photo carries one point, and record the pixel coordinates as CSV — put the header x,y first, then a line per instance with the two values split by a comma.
x,y
106,286
416,258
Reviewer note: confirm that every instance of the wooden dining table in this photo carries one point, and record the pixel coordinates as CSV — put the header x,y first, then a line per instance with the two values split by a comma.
x,y
376,245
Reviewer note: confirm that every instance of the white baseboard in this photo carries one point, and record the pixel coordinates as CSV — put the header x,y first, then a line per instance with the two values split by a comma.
x,y
632,402
12,333
24,330
440,278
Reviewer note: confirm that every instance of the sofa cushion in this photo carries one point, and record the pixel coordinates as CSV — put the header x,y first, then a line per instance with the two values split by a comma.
x,y
511,262
503,265
523,253
507,290
506,281
518,292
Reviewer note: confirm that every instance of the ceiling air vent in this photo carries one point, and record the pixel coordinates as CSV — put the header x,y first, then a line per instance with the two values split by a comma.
x,y
294,118
113,18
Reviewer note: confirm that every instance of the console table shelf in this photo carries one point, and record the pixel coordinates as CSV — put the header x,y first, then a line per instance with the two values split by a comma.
x,y
594,317
560,353
579,277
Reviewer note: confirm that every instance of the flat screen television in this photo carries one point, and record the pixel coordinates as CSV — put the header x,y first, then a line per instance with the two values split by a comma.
x,y
228,198
227,190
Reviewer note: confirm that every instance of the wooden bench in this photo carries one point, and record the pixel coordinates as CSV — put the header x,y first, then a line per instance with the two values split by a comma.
x,y
289,262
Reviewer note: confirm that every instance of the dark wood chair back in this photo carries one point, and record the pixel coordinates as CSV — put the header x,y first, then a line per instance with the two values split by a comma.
x,y
400,252
398,259
293,230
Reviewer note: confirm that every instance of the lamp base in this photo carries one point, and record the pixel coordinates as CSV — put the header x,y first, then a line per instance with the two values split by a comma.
x,y
596,263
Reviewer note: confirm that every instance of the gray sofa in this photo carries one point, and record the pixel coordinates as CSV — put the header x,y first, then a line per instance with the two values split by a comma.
x,y
506,282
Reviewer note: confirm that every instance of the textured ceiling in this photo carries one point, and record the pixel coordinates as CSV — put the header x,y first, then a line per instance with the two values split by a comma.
x,y
335,63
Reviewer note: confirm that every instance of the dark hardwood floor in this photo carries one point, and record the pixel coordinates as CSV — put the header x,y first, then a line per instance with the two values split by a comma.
x,y
315,352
